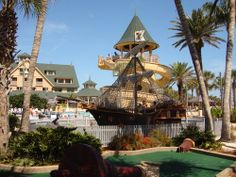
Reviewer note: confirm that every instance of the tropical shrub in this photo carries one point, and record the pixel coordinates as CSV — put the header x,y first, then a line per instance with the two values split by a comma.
x,y
160,137
138,141
13,122
47,145
35,101
202,139
233,116
216,112
127,142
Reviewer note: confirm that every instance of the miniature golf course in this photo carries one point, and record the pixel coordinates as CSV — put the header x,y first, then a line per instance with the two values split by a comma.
x,y
172,164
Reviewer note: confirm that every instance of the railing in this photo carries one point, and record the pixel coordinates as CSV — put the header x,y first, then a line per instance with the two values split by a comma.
x,y
106,133
144,57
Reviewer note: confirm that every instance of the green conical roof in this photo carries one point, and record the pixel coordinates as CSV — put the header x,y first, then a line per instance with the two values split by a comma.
x,y
89,82
129,36
24,55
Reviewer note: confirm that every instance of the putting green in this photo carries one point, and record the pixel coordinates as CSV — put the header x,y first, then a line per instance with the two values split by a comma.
x,y
11,174
174,164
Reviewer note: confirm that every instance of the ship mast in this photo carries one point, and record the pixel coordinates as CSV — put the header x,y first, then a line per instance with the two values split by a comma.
x,y
135,85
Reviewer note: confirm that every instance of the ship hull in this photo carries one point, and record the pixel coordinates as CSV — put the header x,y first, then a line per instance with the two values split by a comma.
x,y
117,117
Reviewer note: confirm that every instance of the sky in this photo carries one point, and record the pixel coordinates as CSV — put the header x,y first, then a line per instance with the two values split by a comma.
x,y
76,32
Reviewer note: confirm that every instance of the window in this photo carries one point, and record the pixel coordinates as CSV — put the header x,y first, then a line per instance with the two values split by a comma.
x,y
24,71
14,78
39,80
70,89
50,72
60,81
19,88
45,89
68,81
58,89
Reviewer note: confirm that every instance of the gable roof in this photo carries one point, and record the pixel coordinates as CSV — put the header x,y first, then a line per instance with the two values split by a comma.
x,y
89,92
129,35
89,82
62,71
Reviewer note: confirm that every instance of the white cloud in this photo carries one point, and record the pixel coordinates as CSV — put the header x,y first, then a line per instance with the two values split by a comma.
x,y
56,27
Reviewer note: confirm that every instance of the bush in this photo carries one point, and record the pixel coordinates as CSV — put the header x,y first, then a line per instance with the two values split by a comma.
x,y
127,142
202,139
137,141
47,145
35,101
160,137
13,122
216,112
233,116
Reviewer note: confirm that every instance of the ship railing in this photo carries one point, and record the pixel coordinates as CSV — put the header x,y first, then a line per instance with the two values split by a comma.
x,y
144,57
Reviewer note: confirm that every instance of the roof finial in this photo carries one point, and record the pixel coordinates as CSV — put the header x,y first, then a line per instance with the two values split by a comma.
x,y
89,77
135,12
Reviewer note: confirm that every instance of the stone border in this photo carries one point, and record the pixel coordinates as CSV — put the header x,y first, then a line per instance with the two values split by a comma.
x,y
137,152
48,169
228,171
27,169
214,153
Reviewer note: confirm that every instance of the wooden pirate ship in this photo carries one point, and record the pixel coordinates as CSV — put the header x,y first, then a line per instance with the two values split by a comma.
x,y
135,99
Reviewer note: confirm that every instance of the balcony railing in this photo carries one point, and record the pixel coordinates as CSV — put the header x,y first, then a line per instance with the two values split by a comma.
x,y
144,57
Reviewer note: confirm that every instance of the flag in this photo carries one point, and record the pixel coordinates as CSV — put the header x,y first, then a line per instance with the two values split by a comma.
x,y
139,35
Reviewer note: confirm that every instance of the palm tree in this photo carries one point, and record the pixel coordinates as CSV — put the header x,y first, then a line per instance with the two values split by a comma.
x,y
193,85
202,29
234,86
224,13
33,60
208,76
196,62
8,29
218,84
226,128
181,74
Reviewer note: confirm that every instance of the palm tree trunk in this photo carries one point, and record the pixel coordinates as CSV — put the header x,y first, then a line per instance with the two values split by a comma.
x,y
8,28
226,129
180,92
197,65
34,56
234,93
199,51
4,107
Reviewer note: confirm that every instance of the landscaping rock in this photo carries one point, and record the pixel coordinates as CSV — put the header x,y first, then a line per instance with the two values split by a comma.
x,y
186,145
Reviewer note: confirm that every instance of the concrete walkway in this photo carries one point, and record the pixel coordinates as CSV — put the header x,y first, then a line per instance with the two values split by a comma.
x,y
230,144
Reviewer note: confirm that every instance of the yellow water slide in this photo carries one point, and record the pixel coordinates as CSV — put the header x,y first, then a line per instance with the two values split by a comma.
x,y
165,72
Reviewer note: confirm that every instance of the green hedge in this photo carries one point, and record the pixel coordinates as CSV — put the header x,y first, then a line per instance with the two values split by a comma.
x,y
202,139
47,145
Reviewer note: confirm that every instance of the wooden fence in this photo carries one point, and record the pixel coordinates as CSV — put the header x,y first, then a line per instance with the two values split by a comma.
x,y
106,133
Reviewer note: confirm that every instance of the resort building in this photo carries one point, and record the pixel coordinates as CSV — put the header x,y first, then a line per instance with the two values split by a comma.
x,y
55,79
89,93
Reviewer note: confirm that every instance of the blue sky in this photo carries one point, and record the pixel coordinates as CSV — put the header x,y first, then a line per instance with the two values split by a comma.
x,y
77,31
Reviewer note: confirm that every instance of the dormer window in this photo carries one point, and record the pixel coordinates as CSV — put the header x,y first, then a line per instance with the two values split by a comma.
x,y
24,71
50,72
63,81
68,81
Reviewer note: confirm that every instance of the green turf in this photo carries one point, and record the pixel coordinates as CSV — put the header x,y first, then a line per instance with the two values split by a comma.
x,y
11,174
174,164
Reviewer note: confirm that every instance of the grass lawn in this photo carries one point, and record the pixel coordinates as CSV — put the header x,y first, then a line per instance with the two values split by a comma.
x,y
174,164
